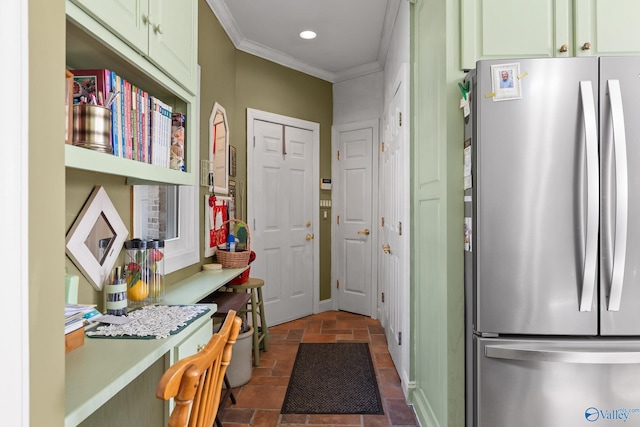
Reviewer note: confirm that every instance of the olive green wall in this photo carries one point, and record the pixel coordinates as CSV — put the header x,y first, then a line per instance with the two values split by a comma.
x,y
45,223
266,86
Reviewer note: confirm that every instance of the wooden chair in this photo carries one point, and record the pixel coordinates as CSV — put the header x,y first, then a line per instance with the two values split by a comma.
x,y
195,382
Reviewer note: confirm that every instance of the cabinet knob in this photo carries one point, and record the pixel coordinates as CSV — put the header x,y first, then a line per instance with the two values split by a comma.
x,y
200,347
586,46
386,249
365,231
564,48
157,29
147,19
309,236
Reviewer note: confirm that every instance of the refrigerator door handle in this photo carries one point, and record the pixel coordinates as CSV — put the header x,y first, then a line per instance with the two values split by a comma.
x,y
622,182
541,354
593,196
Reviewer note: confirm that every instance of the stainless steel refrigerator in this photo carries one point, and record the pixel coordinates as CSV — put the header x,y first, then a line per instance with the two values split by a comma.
x,y
552,250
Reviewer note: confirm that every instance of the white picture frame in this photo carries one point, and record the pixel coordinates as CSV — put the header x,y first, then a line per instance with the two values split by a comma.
x,y
219,149
98,210
505,81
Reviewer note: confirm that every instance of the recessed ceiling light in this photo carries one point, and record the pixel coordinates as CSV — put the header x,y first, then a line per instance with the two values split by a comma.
x,y
308,35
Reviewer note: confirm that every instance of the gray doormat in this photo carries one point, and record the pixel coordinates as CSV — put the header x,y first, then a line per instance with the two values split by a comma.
x,y
333,378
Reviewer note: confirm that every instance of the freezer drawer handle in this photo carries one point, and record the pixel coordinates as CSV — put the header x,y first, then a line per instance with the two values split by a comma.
x,y
541,354
622,181
593,196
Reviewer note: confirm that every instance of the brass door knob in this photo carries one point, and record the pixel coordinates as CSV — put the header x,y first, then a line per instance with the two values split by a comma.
x,y
564,48
586,46
309,237
386,249
365,232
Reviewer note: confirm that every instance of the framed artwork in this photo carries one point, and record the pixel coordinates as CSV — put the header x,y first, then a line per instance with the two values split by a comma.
x,y
68,107
505,82
96,237
219,149
232,160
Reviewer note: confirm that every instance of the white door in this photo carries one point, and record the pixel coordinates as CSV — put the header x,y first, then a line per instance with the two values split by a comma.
x,y
394,240
355,225
282,211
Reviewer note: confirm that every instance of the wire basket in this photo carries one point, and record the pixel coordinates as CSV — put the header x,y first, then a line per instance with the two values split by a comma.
x,y
236,259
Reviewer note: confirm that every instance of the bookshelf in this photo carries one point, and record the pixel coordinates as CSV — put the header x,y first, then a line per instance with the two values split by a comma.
x,y
91,45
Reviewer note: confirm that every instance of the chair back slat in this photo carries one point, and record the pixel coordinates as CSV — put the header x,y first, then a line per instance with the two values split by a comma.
x,y
195,382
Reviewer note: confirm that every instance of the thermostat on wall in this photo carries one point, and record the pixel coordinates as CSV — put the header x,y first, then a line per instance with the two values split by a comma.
x,y
325,184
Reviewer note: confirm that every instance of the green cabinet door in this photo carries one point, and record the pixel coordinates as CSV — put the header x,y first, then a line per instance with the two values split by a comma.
x,y
126,18
492,29
607,27
173,39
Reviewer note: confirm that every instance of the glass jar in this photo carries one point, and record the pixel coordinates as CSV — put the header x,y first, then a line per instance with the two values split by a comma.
x,y
115,293
136,272
155,263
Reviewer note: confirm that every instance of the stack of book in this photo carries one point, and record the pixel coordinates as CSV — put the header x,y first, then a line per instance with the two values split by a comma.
x,y
141,124
76,317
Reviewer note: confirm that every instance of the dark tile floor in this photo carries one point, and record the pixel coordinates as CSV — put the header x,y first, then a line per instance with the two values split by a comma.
x,y
258,402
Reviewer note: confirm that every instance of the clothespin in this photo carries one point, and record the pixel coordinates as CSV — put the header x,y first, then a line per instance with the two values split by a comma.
x,y
464,89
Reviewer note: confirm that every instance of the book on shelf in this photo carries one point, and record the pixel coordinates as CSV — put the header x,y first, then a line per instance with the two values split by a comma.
x,y
176,154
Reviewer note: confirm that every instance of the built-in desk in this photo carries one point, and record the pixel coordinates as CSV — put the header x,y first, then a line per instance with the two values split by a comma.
x,y
98,370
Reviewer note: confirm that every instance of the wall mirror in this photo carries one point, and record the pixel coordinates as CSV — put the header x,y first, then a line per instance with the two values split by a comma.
x,y
96,238
219,149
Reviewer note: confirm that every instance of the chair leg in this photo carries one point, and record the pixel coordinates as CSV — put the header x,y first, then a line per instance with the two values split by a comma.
x,y
254,318
263,322
228,394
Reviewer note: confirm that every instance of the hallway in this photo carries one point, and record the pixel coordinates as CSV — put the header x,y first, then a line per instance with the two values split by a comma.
x,y
259,401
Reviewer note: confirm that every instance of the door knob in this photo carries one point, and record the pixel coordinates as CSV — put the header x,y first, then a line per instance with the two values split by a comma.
x,y
365,232
386,249
309,236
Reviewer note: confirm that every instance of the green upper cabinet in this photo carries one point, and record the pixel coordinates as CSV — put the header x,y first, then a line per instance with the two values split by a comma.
x,y
513,29
607,27
164,31
493,29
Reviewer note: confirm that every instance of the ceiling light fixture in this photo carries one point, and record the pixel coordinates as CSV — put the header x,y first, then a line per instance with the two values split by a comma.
x,y
308,35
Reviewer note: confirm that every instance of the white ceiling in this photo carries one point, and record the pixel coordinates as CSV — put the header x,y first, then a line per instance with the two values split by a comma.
x,y
353,35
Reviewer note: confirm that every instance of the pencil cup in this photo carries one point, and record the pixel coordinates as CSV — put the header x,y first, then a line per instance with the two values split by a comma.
x,y
115,291
92,127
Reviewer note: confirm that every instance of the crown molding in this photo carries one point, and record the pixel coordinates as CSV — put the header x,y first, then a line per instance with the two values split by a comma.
x,y
228,23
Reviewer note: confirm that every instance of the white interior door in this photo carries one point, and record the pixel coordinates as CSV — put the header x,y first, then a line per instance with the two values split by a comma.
x,y
282,209
355,225
394,242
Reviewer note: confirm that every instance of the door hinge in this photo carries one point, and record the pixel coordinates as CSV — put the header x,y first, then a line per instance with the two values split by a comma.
x,y
338,154
381,221
382,296
399,338
338,219
400,118
382,147
338,284
400,228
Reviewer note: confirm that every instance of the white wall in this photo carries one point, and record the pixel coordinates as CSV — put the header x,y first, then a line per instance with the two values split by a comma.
x,y
358,99
399,48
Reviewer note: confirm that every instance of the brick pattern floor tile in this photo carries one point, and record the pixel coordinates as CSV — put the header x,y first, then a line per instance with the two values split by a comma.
x,y
258,402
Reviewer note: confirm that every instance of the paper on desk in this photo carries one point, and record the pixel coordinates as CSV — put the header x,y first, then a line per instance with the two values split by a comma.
x,y
114,320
